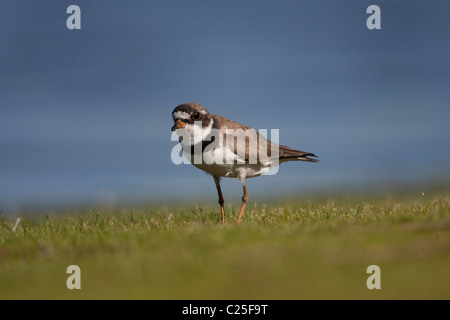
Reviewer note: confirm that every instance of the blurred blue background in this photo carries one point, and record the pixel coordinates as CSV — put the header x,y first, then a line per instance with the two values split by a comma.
x,y
85,115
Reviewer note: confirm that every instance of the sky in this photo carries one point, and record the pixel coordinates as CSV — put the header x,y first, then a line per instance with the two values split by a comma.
x,y
85,115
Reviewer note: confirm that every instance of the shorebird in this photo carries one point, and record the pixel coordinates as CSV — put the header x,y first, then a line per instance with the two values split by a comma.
x,y
226,148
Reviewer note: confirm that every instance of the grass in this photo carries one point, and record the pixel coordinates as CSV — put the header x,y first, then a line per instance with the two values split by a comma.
x,y
299,249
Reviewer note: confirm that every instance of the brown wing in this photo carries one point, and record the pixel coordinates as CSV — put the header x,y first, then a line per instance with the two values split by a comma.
x,y
245,141
248,142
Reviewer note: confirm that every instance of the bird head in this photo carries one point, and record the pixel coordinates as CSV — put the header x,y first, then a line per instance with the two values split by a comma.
x,y
193,119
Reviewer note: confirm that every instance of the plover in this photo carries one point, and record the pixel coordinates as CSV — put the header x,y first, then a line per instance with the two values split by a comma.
x,y
225,148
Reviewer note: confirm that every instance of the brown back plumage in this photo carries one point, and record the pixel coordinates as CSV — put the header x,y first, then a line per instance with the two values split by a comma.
x,y
252,153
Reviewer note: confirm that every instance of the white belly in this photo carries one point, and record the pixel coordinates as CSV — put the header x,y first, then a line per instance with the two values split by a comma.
x,y
230,165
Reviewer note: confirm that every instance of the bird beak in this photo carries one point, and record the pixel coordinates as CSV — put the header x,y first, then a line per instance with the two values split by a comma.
x,y
178,125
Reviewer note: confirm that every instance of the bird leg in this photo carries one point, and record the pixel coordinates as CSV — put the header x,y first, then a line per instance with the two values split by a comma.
x,y
244,202
221,200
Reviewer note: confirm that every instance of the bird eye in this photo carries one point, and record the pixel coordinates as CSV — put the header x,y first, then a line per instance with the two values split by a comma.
x,y
196,116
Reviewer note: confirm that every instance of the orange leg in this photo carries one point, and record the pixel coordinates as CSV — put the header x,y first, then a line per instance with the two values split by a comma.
x,y
244,203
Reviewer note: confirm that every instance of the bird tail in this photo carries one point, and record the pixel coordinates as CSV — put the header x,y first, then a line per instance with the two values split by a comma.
x,y
289,154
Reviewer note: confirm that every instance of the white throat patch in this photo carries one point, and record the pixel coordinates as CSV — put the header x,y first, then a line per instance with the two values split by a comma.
x,y
199,133
195,133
